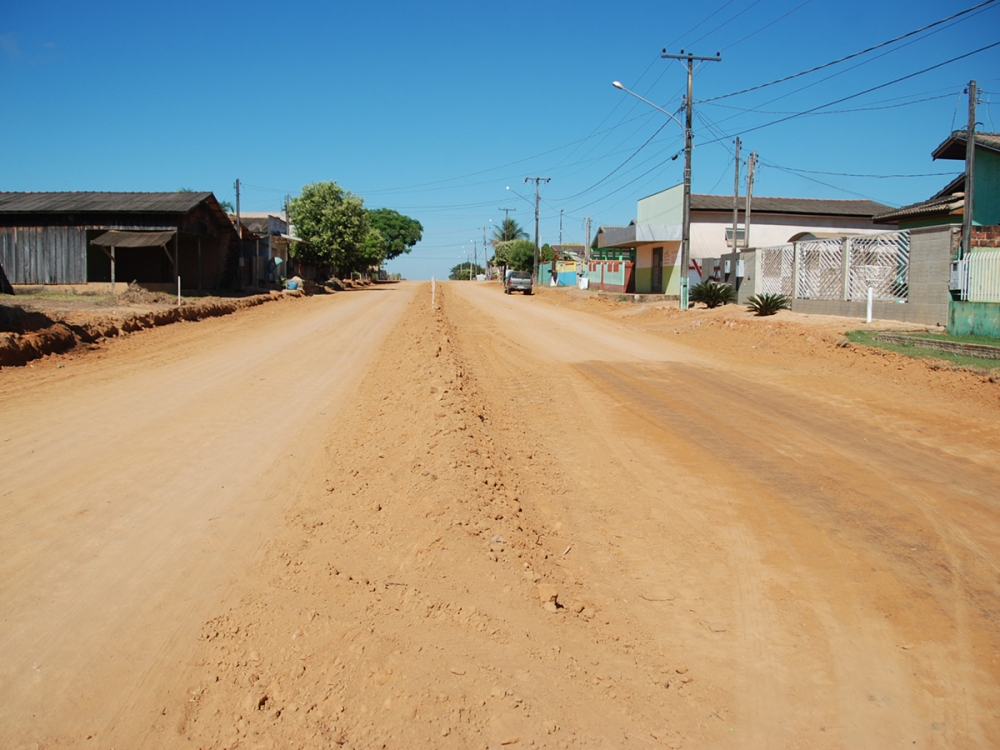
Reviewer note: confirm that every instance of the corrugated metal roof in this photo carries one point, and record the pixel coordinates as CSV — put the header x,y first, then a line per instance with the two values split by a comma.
x,y
814,206
118,238
180,202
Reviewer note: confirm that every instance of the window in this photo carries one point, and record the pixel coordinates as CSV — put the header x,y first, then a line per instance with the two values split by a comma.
x,y
740,234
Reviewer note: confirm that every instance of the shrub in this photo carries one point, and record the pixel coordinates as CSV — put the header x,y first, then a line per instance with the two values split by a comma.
x,y
768,304
711,294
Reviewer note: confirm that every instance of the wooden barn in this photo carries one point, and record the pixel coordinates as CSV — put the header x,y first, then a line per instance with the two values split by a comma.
x,y
86,238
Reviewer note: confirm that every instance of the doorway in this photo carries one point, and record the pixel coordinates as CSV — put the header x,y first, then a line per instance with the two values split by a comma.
x,y
657,285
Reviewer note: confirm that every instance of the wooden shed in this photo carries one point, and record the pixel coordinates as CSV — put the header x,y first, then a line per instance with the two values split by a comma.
x,y
63,238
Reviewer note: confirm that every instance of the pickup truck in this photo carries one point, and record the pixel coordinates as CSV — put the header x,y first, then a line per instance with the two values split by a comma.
x,y
517,281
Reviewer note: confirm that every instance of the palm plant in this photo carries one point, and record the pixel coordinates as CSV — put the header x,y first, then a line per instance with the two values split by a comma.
x,y
712,294
508,230
768,304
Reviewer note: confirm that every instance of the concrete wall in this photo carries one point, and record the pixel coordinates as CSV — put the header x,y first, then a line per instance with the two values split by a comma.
x,y
664,207
746,287
611,275
708,230
929,298
976,318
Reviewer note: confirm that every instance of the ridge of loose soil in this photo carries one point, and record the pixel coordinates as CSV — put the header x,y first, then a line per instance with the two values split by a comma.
x,y
363,630
26,335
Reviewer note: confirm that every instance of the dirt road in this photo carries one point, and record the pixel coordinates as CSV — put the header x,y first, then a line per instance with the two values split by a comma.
x,y
534,521
138,487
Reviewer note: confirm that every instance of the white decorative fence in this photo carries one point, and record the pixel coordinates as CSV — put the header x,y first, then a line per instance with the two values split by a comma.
x,y
981,276
842,268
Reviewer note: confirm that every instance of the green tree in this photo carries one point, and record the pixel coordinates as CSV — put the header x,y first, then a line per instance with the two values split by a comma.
x,y
521,255
508,230
546,254
462,270
335,224
375,250
400,232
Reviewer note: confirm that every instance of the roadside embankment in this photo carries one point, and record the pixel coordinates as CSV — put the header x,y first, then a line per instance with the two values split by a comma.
x,y
28,335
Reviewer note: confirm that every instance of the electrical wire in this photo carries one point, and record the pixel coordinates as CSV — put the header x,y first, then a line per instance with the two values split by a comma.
x,y
766,26
724,23
861,93
868,176
851,56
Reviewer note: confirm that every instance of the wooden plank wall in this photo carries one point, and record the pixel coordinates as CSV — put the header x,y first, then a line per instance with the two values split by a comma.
x,y
44,255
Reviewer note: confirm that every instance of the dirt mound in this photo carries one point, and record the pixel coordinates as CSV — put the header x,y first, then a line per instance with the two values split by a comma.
x,y
27,335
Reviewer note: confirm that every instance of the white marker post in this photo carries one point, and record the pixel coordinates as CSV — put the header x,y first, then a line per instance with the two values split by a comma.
x,y
178,291
871,296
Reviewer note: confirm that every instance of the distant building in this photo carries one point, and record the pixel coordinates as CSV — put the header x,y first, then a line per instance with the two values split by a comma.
x,y
653,239
154,238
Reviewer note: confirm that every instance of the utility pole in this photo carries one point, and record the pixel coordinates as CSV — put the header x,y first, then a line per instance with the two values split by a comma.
x,y
970,173
560,227
751,168
506,212
538,181
688,147
485,256
736,197
586,242
239,233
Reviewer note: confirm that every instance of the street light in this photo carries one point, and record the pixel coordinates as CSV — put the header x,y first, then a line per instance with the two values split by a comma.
x,y
686,229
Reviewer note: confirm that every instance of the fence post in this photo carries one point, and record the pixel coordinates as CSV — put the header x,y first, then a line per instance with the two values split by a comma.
x,y
795,270
846,264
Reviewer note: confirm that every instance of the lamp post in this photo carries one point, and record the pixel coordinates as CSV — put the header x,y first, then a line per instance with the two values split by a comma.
x,y
688,147
686,211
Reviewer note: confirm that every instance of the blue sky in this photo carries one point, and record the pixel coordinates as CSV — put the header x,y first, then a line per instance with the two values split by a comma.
x,y
434,109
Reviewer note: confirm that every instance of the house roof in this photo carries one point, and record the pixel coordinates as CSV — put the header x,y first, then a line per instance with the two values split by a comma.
x,y
953,147
175,203
939,205
814,206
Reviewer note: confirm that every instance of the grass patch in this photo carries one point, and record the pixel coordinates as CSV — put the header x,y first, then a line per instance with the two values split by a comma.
x,y
867,338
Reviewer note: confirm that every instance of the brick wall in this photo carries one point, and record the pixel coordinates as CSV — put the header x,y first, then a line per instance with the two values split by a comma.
x,y
986,237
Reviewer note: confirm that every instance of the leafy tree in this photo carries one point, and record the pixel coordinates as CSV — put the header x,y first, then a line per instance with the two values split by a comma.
x,y
400,232
228,207
546,254
375,249
520,255
335,224
462,270
508,230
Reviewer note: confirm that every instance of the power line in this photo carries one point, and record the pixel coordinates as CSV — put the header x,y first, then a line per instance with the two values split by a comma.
x,y
724,23
860,93
851,56
868,176
837,111
766,26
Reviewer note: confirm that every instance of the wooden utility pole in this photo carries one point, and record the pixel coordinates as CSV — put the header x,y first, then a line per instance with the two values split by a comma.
x,y
688,148
751,168
538,181
736,197
970,173
239,234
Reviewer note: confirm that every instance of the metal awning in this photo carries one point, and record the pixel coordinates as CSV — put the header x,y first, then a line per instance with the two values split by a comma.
x,y
118,238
